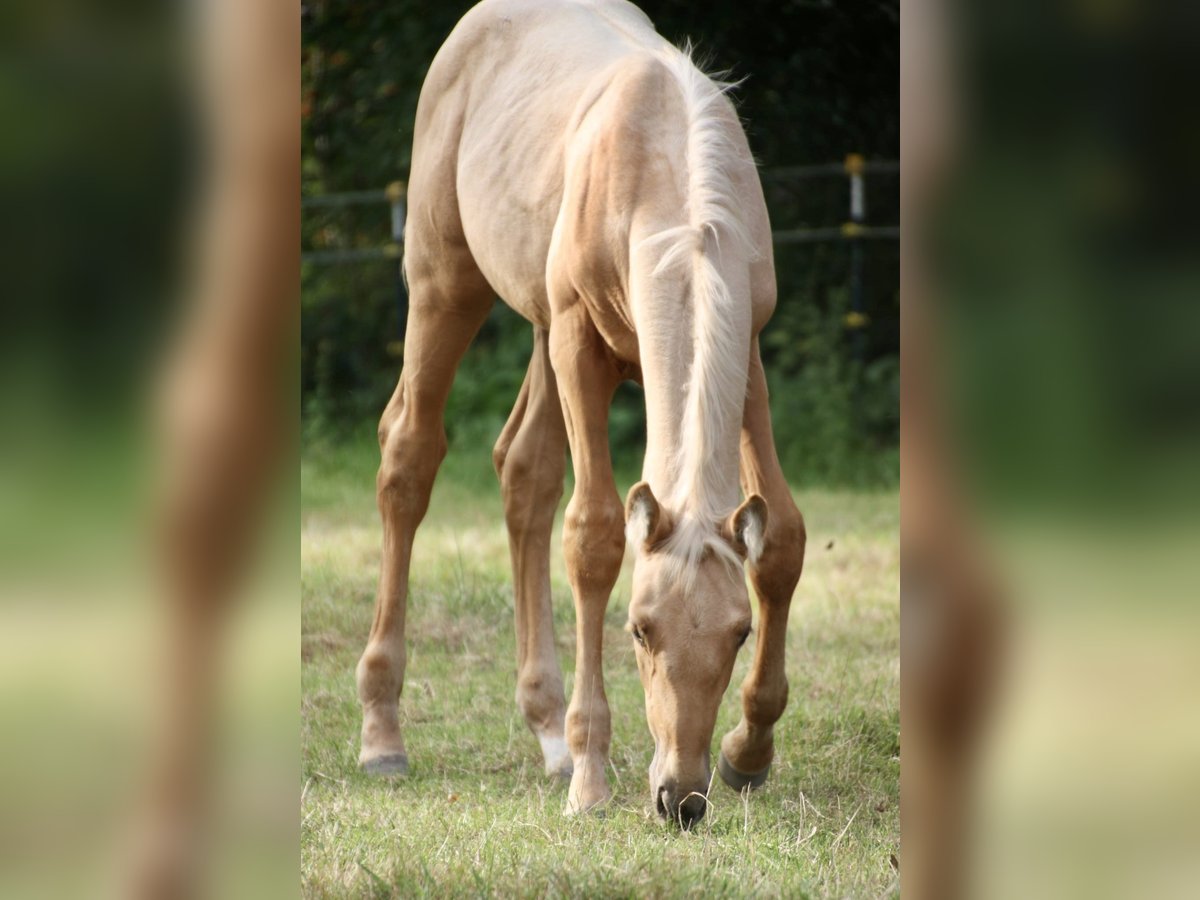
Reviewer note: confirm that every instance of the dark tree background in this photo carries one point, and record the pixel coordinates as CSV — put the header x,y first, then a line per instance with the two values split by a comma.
x,y
820,80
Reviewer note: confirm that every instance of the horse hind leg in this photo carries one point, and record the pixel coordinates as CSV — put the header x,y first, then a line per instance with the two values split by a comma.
x,y
530,459
448,303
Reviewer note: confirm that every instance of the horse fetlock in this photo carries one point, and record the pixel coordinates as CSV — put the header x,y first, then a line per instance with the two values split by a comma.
x,y
763,701
541,701
589,729
380,676
383,751
746,754
589,786
556,755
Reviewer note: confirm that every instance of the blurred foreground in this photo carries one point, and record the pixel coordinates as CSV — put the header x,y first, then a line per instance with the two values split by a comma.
x,y
1049,447
150,633
1050,438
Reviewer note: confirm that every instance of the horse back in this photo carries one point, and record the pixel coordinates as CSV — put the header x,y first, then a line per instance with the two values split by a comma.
x,y
547,127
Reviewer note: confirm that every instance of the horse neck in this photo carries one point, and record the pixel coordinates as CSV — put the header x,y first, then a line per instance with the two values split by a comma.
x,y
693,323
689,287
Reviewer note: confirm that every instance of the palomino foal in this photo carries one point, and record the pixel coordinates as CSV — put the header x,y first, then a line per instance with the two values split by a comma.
x,y
569,159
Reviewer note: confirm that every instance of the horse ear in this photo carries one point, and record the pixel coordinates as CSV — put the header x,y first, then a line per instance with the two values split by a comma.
x,y
746,527
646,524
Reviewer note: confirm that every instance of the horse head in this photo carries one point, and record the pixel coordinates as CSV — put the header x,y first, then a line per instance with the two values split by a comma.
x,y
689,615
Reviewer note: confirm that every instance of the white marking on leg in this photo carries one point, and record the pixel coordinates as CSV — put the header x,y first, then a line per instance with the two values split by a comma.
x,y
554,751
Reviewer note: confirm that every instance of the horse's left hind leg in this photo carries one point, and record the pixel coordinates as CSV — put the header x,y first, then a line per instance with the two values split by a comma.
x,y
448,303
530,459
746,751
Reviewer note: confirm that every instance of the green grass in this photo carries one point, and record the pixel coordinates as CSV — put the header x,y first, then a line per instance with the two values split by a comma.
x,y
477,816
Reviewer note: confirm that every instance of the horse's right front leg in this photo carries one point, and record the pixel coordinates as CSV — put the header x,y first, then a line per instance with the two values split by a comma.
x,y
593,540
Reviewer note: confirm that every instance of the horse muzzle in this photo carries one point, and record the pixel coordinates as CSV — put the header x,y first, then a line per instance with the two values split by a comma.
x,y
683,805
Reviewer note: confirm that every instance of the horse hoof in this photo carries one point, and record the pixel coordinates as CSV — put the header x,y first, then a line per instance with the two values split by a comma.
x,y
391,764
739,780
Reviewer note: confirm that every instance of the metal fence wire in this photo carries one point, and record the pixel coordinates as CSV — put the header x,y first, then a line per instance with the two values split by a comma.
x,y
340,226
854,168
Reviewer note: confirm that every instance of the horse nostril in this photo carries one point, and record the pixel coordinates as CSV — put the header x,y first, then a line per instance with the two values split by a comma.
x,y
660,803
692,810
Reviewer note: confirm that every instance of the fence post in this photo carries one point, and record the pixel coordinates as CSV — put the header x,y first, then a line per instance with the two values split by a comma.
x,y
856,319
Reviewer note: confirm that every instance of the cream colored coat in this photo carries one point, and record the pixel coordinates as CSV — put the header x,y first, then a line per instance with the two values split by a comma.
x,y
571,161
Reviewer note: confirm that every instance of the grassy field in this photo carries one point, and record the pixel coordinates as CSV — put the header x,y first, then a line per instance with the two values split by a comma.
x,y
477,816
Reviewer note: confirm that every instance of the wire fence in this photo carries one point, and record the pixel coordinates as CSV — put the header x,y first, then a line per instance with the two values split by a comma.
x,y
854,168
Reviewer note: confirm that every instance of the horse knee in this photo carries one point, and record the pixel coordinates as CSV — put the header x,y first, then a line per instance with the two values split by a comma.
x,y
793,538
778,569
594,541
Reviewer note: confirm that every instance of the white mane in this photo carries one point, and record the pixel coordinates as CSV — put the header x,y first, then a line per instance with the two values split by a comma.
x,y
716,386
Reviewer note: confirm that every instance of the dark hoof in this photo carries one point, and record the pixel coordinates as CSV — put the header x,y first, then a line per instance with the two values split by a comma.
x,y
392,764
739,780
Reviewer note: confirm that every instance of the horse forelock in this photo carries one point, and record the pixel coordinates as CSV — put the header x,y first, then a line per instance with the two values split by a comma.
x,y
692,541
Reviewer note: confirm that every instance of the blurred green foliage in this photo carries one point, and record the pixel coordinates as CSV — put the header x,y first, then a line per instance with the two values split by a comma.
x,y
821,81
96,146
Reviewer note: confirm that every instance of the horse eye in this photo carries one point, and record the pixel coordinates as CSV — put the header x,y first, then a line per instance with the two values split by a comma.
x,y
742,639
637,635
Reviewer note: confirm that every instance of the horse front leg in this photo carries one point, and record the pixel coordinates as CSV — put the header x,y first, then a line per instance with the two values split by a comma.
x,y
747,750
593,540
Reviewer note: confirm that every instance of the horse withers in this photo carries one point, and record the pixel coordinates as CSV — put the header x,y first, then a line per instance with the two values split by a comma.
x,y
569,159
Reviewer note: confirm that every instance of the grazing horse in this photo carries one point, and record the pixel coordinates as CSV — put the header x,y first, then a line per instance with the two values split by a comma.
x,y
569,159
